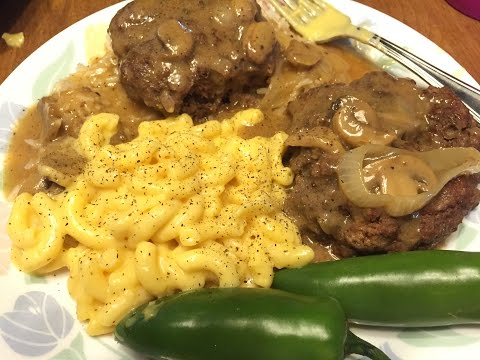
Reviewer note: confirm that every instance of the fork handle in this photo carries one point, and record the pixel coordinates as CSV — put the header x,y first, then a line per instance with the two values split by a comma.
x,y
431,74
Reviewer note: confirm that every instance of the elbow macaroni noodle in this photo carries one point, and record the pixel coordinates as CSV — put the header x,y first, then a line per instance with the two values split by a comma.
x,y
177,208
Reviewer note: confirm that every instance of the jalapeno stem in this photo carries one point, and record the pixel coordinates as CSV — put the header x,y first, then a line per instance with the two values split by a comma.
x,y
355,345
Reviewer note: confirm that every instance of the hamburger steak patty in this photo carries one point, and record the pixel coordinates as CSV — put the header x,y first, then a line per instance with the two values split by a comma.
x,y
191,56
203,57
322,211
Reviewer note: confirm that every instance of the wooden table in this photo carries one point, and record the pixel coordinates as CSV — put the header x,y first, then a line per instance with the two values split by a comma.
x,y
41,19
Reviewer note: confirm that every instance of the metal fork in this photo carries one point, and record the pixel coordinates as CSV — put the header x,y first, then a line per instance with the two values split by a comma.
x,y
308,16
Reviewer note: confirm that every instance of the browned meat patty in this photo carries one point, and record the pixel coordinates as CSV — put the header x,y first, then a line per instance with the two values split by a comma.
x,y
190,56
322,211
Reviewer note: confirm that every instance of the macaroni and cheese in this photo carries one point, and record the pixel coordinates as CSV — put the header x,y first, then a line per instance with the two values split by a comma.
x,y
177,208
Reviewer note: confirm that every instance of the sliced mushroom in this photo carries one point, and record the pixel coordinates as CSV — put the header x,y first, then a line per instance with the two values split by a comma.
x,y
176,38
398,180
303,54
258,41
399,175
357,124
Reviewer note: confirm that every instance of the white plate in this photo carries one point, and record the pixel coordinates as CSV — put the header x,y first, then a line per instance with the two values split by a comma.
x,y
37,315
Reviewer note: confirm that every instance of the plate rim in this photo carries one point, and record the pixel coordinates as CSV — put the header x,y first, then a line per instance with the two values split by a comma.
x,y
110,10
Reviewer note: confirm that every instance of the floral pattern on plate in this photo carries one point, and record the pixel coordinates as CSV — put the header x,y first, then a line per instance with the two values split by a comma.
x,y
36,324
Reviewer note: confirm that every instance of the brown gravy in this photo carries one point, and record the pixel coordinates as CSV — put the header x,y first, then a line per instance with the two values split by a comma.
x,y
21,152
338,64
29,145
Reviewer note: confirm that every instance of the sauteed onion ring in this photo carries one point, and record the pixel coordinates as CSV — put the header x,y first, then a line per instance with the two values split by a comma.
x,y
446,164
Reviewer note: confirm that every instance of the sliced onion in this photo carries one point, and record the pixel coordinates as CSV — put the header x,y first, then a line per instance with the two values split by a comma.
x,y
446,163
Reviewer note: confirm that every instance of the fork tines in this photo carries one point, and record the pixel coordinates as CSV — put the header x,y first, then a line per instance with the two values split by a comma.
x,y
297,12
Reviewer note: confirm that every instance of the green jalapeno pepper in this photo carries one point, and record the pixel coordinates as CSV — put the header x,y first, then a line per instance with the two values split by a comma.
x,y
411,289
239,323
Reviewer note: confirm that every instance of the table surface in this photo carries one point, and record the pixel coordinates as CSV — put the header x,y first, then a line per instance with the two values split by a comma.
x,y
41,19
